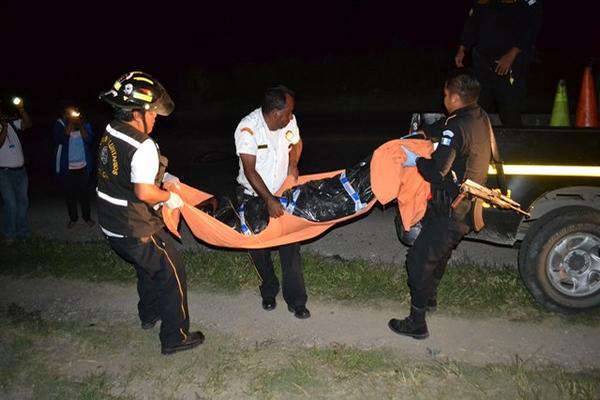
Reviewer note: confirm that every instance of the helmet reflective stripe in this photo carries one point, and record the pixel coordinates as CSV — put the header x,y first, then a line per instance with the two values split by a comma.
x,y
117,85
141,96
141,78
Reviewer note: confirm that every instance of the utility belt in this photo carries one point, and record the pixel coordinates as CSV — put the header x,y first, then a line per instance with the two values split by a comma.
x,y
12,168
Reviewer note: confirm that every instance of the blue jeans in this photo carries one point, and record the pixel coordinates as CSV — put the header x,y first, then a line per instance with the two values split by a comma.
x,y
13,189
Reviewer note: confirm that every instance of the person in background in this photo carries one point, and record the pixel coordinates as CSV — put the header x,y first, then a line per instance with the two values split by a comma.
x,y
132,188
13,174
463,152
501,35
73,139
268,145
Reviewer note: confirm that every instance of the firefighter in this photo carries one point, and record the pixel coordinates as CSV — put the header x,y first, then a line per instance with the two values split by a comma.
x,y
268,145
502,35
463,152
131,174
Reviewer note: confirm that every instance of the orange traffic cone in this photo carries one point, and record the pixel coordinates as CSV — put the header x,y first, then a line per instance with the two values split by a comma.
x,y
560,110
587,108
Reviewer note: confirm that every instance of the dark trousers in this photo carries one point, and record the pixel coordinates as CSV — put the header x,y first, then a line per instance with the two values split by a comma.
x,y
292,277
161,286
77,190
427,258
497,92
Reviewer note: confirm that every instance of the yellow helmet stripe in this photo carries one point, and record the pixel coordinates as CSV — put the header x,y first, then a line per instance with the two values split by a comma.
x,y
143,78
141,96
548,170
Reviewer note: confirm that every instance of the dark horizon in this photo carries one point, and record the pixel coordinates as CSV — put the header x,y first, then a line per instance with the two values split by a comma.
x,y
69,54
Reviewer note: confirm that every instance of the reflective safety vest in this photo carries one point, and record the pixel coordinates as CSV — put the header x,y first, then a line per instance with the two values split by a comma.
x,y
120,212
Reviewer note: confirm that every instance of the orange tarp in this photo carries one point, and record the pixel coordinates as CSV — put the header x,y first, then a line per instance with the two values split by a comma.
x,y
389,181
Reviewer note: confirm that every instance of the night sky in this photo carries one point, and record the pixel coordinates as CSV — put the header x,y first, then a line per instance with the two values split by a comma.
x,y
56,52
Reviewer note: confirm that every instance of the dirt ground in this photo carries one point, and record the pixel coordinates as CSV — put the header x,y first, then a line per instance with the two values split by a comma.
x,y
475,341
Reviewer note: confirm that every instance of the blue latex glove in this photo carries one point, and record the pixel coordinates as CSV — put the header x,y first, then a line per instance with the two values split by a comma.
x,y
411,158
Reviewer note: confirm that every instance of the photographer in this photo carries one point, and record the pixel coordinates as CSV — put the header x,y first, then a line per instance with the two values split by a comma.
x,y
73,137
13,175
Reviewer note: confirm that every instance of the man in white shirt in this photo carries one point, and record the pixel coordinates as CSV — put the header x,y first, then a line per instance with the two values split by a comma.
x,y
269,146
13,175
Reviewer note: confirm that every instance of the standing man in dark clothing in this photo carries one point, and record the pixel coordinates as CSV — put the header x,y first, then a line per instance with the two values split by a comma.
x,y
73,138
269,146
502,35
131,173
463,152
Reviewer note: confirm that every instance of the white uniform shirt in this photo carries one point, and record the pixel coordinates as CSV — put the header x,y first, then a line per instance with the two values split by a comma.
x,y
271,148
144,163
11,152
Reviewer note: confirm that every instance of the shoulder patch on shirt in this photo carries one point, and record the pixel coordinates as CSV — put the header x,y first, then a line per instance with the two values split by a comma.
x,y
247,130
447,136
289,136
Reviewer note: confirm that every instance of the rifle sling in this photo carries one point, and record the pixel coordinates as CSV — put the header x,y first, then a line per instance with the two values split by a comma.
x,y
498,163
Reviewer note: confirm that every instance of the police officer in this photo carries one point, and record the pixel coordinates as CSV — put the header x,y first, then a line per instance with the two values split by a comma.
x,y
268,145
501,34
463,152
131,173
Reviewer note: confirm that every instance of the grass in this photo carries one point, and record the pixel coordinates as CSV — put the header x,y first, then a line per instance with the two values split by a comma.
x,y
467,289
78,360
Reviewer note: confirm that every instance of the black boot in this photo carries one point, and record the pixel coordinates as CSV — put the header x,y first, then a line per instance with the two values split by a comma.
x,y
414,325
431,304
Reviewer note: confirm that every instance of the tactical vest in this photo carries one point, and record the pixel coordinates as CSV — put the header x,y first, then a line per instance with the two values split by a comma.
x,y
120,212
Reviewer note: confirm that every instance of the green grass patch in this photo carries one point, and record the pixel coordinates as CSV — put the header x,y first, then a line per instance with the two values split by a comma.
x,y
119,361
467,289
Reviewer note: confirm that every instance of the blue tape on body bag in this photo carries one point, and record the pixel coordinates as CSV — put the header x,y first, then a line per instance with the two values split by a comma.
x,y
358,205
243,227
290,206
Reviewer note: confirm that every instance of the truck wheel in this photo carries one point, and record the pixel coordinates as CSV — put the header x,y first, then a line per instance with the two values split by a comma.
x,y
559,261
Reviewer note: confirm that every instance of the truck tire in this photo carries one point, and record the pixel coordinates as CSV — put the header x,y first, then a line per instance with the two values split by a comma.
x,y
559,261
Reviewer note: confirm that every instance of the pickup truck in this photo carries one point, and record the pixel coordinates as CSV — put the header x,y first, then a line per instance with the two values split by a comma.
x,y
554,173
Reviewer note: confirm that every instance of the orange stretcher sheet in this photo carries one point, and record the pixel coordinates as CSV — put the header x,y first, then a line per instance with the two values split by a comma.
x,y
389,181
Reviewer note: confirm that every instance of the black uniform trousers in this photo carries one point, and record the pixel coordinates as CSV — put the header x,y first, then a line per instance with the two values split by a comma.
x,y
77,190
443,228
497,92
161,285
292,277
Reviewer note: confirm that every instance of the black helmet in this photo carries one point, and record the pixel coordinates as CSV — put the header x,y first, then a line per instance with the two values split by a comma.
x,y
139,91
